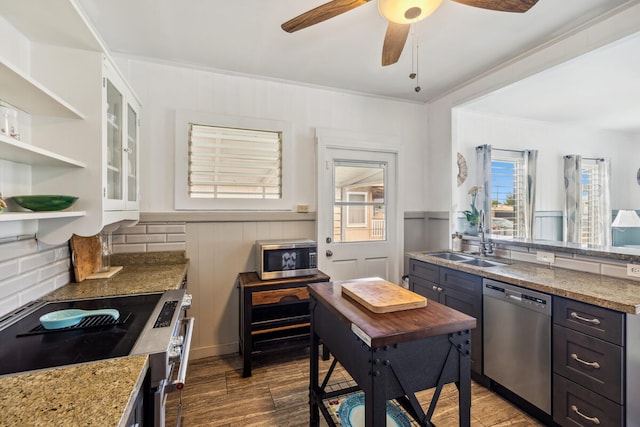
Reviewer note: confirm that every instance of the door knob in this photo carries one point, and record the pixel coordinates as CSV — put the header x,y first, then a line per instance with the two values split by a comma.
x,y
329,253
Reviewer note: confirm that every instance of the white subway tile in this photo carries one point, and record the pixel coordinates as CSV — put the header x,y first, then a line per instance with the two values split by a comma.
x,y
35,292
166,228
523,256
15,250
572,264
8,304
32,262
8,269
120,249
55,269
134,229
176,237
616,271
145,238
18,283
163,247
117,238
62,252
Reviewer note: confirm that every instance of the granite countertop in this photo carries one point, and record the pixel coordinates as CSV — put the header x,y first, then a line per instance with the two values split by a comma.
x,y
92,394
97,393
604,291
142,273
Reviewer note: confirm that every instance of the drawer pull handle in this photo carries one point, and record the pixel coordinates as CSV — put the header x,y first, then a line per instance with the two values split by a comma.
x,y
437,288
584,319
594,420
594,365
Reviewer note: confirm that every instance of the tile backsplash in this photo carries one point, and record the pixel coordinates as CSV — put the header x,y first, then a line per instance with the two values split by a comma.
x,y
150,237
30,269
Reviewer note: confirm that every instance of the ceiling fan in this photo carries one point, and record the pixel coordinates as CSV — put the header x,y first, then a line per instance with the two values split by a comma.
x,y
400,14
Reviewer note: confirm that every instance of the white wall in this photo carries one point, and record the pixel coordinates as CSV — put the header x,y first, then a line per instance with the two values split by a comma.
x,y
441,153
552,141
164,88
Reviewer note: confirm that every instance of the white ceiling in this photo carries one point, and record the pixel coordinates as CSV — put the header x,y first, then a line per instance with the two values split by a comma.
x,y
600,90
456,43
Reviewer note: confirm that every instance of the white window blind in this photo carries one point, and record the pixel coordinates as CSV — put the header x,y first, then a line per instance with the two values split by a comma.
x,y
590,202
231,163
507,194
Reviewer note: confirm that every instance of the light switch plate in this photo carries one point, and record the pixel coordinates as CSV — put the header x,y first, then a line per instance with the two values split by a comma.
x,y
303,208
548,257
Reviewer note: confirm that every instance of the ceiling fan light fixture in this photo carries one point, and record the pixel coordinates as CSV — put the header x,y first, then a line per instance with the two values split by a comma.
x,y
407,11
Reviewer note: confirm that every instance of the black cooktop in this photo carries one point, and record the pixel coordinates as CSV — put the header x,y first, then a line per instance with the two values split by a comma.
x,y
26,347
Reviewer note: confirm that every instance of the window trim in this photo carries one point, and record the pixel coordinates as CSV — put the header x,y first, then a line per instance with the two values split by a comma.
x,y
364,205
182,201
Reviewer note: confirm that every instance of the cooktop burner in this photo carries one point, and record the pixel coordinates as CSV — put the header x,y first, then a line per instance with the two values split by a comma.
x,y
22,350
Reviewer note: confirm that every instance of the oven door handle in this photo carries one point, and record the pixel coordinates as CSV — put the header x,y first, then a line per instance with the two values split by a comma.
x,y
178,384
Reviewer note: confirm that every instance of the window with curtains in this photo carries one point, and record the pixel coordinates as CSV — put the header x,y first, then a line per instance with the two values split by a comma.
x,y
508,180
230,163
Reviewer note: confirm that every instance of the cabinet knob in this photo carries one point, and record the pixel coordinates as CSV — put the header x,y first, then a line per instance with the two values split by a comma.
x,y
127,150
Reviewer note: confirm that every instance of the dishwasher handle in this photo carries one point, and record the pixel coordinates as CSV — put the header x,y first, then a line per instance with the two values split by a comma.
x,y
516,296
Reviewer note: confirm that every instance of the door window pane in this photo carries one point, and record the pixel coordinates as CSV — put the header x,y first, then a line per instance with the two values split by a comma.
x,y
359,201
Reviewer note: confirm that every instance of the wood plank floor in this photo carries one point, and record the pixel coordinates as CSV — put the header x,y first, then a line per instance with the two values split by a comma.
x,y
276,395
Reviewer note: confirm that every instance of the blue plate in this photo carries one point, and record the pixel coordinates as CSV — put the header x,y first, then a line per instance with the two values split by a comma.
x,y
351,413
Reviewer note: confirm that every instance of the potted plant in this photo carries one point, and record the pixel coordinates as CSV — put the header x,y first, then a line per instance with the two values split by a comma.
x,y
473,215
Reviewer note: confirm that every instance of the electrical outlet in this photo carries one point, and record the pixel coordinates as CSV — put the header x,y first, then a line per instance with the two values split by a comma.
x,y
548,257
633,270
303,208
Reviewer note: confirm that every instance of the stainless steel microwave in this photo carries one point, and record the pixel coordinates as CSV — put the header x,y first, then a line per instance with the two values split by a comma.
x,y
277,259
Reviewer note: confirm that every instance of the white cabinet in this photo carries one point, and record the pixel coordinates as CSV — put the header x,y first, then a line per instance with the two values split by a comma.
x,y
121,141
84,120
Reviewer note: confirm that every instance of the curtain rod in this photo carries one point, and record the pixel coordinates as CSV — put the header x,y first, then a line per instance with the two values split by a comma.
x,y
587,158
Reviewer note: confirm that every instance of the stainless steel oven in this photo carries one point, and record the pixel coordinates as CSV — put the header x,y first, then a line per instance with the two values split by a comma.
x,y
153,324
166,338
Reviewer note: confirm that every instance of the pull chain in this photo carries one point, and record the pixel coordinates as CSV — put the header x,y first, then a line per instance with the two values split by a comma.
x,y
414,57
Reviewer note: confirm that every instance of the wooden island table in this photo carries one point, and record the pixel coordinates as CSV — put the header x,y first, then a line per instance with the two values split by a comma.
x,y
389,355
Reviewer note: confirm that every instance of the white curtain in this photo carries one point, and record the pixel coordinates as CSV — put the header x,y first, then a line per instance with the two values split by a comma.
x,y
587,211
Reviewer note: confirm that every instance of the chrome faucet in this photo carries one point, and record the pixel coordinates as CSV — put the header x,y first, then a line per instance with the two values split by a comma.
x,y
486,248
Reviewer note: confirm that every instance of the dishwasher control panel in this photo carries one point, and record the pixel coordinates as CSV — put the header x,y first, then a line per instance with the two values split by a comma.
x,y
516,295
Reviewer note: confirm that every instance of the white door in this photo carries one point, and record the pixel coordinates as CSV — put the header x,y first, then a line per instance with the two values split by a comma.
x,y
359,232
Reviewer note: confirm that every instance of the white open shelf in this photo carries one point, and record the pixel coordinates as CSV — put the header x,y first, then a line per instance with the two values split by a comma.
x,y
20,216
22,91
19,152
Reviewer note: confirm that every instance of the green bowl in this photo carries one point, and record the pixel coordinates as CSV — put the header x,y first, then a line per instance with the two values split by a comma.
x,y
44,203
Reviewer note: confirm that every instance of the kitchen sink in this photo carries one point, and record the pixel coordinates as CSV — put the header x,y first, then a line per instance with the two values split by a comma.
x,y
465,259
451,256
482,262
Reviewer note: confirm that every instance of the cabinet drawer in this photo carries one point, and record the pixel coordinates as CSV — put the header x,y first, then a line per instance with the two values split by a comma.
x,y
596,321
463,281
424,270
574,405
588,361
425,288
279,296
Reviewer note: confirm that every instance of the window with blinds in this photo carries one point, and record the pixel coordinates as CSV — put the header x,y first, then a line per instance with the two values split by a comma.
x,y
590,202
507,194
231,163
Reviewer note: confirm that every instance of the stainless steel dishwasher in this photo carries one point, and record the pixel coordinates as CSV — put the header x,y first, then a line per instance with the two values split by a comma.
x,y
517,341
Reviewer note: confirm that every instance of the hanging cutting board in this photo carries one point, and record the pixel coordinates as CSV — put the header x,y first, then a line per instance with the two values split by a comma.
x,y
380,296
85,256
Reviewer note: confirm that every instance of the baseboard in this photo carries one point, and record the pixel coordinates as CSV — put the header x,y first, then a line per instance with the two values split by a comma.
x,y
214,350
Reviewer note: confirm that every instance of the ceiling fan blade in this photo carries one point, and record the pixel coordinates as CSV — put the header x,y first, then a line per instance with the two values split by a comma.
x,y
519,6
321,13
394,42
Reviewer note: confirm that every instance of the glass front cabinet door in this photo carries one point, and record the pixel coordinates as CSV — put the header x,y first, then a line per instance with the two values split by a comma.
x,y
122,132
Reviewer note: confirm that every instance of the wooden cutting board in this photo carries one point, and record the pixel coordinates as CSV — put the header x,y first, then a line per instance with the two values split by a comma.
x,y
380,296
85,256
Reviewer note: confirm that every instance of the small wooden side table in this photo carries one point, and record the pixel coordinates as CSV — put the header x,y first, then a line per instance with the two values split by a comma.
x,y
274,314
